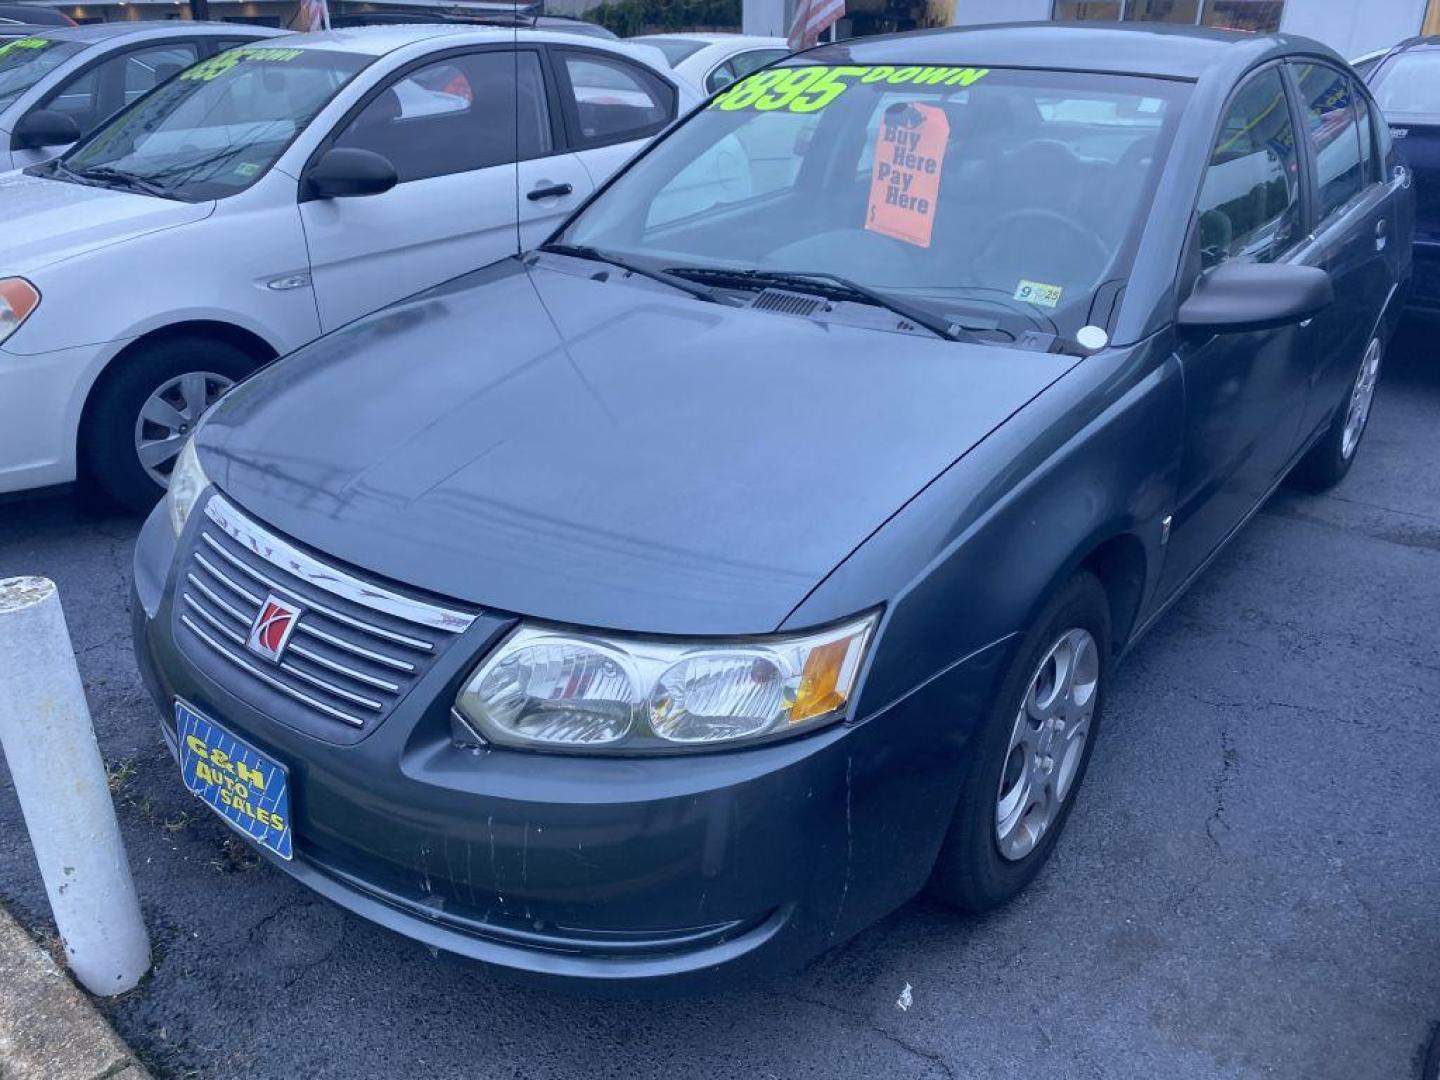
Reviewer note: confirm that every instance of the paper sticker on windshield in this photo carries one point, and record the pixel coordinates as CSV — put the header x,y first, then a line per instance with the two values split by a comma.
x,y
219,65
905,179
810,89
24,43
1037,292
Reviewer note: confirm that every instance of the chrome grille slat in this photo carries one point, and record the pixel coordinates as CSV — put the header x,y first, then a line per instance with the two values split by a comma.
x,y
341,669
331,688
269,680
228,582
329,613
327,663
358,650
220,602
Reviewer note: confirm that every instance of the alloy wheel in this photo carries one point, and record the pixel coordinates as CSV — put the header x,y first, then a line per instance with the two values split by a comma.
x,y
1361,398
170,414
1047,743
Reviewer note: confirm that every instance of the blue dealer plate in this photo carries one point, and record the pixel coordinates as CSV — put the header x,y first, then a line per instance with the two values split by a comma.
x,y
245,787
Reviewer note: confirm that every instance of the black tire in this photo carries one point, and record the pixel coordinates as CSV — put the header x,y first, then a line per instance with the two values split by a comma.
x,y
971,873
1328,461
108,439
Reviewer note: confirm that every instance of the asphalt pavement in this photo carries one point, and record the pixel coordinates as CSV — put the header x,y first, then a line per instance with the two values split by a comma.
x,y
1248,887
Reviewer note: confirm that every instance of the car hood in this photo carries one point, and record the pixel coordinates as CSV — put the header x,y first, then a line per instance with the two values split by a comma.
x,y
605,453
47,221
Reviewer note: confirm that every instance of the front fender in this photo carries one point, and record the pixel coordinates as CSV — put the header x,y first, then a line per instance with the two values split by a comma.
x,y
973,558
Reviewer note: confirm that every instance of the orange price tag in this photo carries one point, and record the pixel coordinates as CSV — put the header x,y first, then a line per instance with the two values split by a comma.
x,y
905,181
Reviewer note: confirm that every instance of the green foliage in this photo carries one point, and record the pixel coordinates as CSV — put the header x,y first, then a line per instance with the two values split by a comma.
x,y
630,17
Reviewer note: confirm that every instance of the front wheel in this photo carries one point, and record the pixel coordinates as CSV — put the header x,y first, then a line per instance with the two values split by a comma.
x,y
1330,459
145,408
1030,753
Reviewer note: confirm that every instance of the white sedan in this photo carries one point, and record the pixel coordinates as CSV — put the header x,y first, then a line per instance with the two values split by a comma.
x,y
271,194
713,61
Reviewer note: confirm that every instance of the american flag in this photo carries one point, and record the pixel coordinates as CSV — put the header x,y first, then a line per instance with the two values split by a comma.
x,y
813,18
313,15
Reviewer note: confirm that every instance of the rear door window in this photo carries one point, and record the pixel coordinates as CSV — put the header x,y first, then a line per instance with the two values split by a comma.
x,y
1250,202
1328,99
612,100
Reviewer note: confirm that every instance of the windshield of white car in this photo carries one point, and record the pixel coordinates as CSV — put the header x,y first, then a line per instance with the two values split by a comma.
x,y
217,127
675,49
25,61
1001,200
1409,83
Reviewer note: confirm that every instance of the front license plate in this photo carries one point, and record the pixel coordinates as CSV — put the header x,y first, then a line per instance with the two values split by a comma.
x,y
245,787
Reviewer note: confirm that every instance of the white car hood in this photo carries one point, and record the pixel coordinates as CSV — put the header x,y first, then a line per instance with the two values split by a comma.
x,y
44,221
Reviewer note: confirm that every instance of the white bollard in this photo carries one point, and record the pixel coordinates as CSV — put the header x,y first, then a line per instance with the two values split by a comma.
x,y
64,793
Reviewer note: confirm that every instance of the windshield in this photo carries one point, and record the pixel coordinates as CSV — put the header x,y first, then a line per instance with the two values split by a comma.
x,y
218,126
1410,83
1002,198
25,61
675,49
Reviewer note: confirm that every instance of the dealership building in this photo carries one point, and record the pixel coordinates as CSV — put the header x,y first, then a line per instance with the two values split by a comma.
x,y
1352,27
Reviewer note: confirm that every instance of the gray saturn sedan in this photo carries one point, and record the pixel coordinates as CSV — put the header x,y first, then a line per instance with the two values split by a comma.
x,y
672,601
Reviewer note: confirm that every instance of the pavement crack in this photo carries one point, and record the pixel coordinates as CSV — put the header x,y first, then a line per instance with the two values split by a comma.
x,y
1229,758
856,1019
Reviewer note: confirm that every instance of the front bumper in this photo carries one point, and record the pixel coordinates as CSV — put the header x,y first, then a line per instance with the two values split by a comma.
x,y
612,871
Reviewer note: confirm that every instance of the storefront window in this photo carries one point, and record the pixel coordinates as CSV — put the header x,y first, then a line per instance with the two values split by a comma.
x,y
1257,16
1087,9
1174,11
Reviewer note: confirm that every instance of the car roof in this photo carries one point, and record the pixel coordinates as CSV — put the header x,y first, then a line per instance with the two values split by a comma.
x,y
91,33
712,38
1431,42
378,40
1156,49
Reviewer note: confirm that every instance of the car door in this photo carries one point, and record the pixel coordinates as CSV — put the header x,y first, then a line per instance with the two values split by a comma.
x,y
1245,394
612,106
1353,225
105,87
449,126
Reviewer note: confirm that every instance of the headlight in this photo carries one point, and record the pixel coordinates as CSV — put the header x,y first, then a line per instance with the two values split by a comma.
x,y
547,688
18,298
187,483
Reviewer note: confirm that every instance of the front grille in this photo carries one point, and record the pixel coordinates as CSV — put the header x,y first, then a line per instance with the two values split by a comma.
x,y
356,647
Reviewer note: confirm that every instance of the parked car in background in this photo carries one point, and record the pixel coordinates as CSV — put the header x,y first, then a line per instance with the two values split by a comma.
x,y
713,61
273,193
1407,86
1365,64
34,15
59,85
473,17
677,599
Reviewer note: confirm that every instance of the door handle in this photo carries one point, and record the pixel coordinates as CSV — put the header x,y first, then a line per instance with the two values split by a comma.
x,y
548,191
1382,233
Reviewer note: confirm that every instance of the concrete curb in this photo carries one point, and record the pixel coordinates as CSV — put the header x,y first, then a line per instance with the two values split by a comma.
x,y
49,1030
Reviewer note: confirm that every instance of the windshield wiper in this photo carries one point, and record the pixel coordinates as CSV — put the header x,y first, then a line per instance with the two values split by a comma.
x,y
839,288
585,251
108,175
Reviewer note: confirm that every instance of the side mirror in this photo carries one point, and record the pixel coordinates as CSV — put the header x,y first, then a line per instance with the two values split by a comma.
x,y
42,129
348,172
1237,297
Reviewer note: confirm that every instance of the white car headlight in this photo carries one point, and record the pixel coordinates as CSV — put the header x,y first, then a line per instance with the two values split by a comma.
x,y
187,483
18,298
548,688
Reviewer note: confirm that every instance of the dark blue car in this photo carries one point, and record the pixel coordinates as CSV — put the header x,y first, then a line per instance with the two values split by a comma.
x,y
675,600
1406,83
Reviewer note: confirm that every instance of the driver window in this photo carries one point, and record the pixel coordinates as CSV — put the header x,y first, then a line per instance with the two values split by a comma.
x,y
1250,203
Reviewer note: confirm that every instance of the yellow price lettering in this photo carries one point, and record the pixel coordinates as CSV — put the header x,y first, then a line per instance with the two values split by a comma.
x,y
810,89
